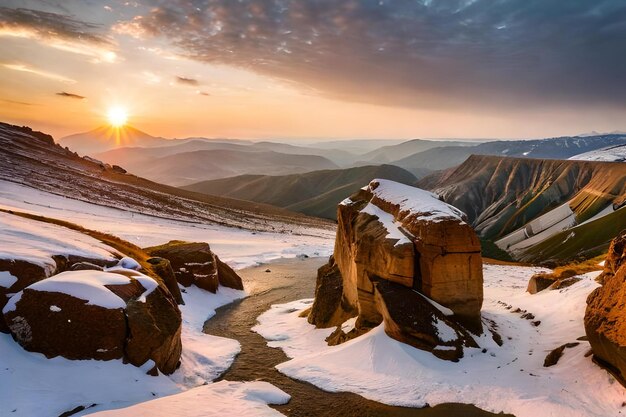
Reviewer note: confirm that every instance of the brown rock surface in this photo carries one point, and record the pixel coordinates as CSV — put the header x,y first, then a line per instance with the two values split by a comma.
x,y
394,234
615,258
326,310
195,264
122,318
539,282
163,269
28,273
605,316
412,319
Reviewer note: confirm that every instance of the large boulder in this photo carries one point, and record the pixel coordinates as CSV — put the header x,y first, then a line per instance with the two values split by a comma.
x,y
89,314
17,274
411,318
393,233
195,264
605,316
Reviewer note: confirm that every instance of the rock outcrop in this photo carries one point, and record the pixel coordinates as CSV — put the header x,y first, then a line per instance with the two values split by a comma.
x,y
25,273
195,264
605,317
104,315
397,246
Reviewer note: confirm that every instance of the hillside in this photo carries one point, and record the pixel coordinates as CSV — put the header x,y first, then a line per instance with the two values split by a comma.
x,y
389,153
520,202
33,159
314,193
189,167
552,148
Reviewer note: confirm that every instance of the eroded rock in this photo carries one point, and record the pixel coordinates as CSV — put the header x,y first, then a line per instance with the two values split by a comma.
x,y
605,316
195,264
390,233
100,315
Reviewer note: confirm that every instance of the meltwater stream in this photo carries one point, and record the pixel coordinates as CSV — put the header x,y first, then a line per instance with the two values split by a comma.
x,y
290,280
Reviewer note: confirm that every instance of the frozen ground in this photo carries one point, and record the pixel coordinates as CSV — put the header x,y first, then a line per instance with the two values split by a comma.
x,y
37,242
509,378
237,247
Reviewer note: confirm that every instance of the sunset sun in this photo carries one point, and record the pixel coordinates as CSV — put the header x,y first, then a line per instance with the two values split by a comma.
x,y
117,116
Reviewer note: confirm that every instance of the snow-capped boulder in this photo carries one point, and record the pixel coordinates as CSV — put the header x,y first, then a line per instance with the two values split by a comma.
x,y
605,316
407,236
195,264
88,314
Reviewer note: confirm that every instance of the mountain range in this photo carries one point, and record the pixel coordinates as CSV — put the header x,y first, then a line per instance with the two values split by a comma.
x,y
314,193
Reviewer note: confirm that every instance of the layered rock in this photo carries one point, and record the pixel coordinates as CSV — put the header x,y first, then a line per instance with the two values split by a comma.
x,y
605,316
390,233
195,264
89,314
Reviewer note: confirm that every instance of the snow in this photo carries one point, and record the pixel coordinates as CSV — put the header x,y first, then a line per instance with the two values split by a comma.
x,y
388,222
36,242
223,398
611,154
509,378
129,263
63,384
414,200
204,357
6,279
85,285
55,309
444,310
237,247
445,332
539,229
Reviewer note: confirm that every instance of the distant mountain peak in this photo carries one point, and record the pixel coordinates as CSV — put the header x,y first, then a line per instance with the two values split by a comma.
x,y
104,138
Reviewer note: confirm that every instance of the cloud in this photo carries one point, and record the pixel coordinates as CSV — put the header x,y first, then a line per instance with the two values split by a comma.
x,y
16,102
42,73
59,31
187,81
427,53
70,95
203,93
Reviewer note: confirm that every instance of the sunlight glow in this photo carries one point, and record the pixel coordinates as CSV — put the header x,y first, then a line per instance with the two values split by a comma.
x,y
117,116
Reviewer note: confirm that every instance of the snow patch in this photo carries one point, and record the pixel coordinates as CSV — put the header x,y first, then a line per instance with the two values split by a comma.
x,y
6,279
224,398
509,378
55,309
425,204
388,222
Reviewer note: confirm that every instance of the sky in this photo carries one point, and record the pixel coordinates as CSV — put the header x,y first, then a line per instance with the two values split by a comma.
x,y
316,69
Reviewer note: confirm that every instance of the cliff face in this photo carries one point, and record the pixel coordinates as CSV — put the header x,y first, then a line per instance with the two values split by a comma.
x,y
605,317
523,201
399,245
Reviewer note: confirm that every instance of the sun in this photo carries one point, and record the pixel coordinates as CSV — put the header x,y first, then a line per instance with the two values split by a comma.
x,y
117,116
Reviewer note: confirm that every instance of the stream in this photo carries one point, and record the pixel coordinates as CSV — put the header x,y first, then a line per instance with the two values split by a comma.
x,y
288,280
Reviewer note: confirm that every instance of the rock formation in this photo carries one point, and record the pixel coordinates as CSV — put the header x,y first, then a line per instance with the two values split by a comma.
x,y
401,252
605,317
90,314
26,273
195,264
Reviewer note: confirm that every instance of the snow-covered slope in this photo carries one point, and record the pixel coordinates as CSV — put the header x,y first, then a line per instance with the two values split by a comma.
x,y
238,247
33,159
609,154
509,378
